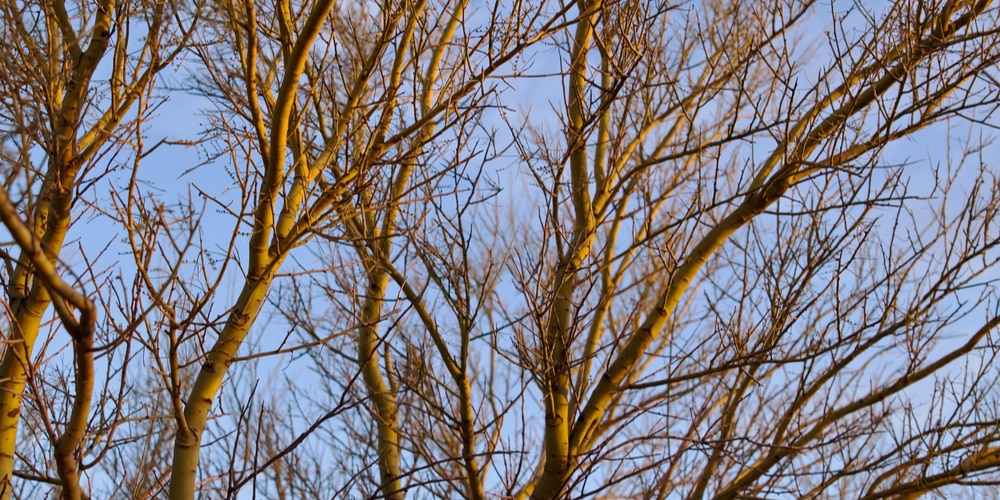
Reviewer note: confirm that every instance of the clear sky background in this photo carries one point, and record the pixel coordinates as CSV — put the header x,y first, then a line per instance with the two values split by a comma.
x,y
174,172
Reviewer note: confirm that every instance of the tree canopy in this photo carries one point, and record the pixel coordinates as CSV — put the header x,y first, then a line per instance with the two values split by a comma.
x,y
507,249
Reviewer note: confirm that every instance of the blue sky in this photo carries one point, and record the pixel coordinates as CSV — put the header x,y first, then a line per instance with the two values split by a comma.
x,y
170,173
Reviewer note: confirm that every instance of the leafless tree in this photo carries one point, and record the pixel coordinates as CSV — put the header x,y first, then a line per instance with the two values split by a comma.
x,y
619,249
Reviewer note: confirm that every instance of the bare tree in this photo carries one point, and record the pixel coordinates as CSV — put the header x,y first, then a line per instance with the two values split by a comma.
x,y
778,378
506,250
76,83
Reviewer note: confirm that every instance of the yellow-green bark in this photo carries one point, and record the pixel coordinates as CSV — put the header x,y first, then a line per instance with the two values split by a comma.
x,y
19,344
782,169
187,444
29,298
265,257
65,298
382,399
556,378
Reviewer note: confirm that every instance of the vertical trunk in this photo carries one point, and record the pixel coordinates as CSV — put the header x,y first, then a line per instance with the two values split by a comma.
x,y
556,385
28,297
20,340
382,399
187,444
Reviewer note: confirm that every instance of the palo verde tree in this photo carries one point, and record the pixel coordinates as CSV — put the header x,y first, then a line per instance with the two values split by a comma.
x,y
440,248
